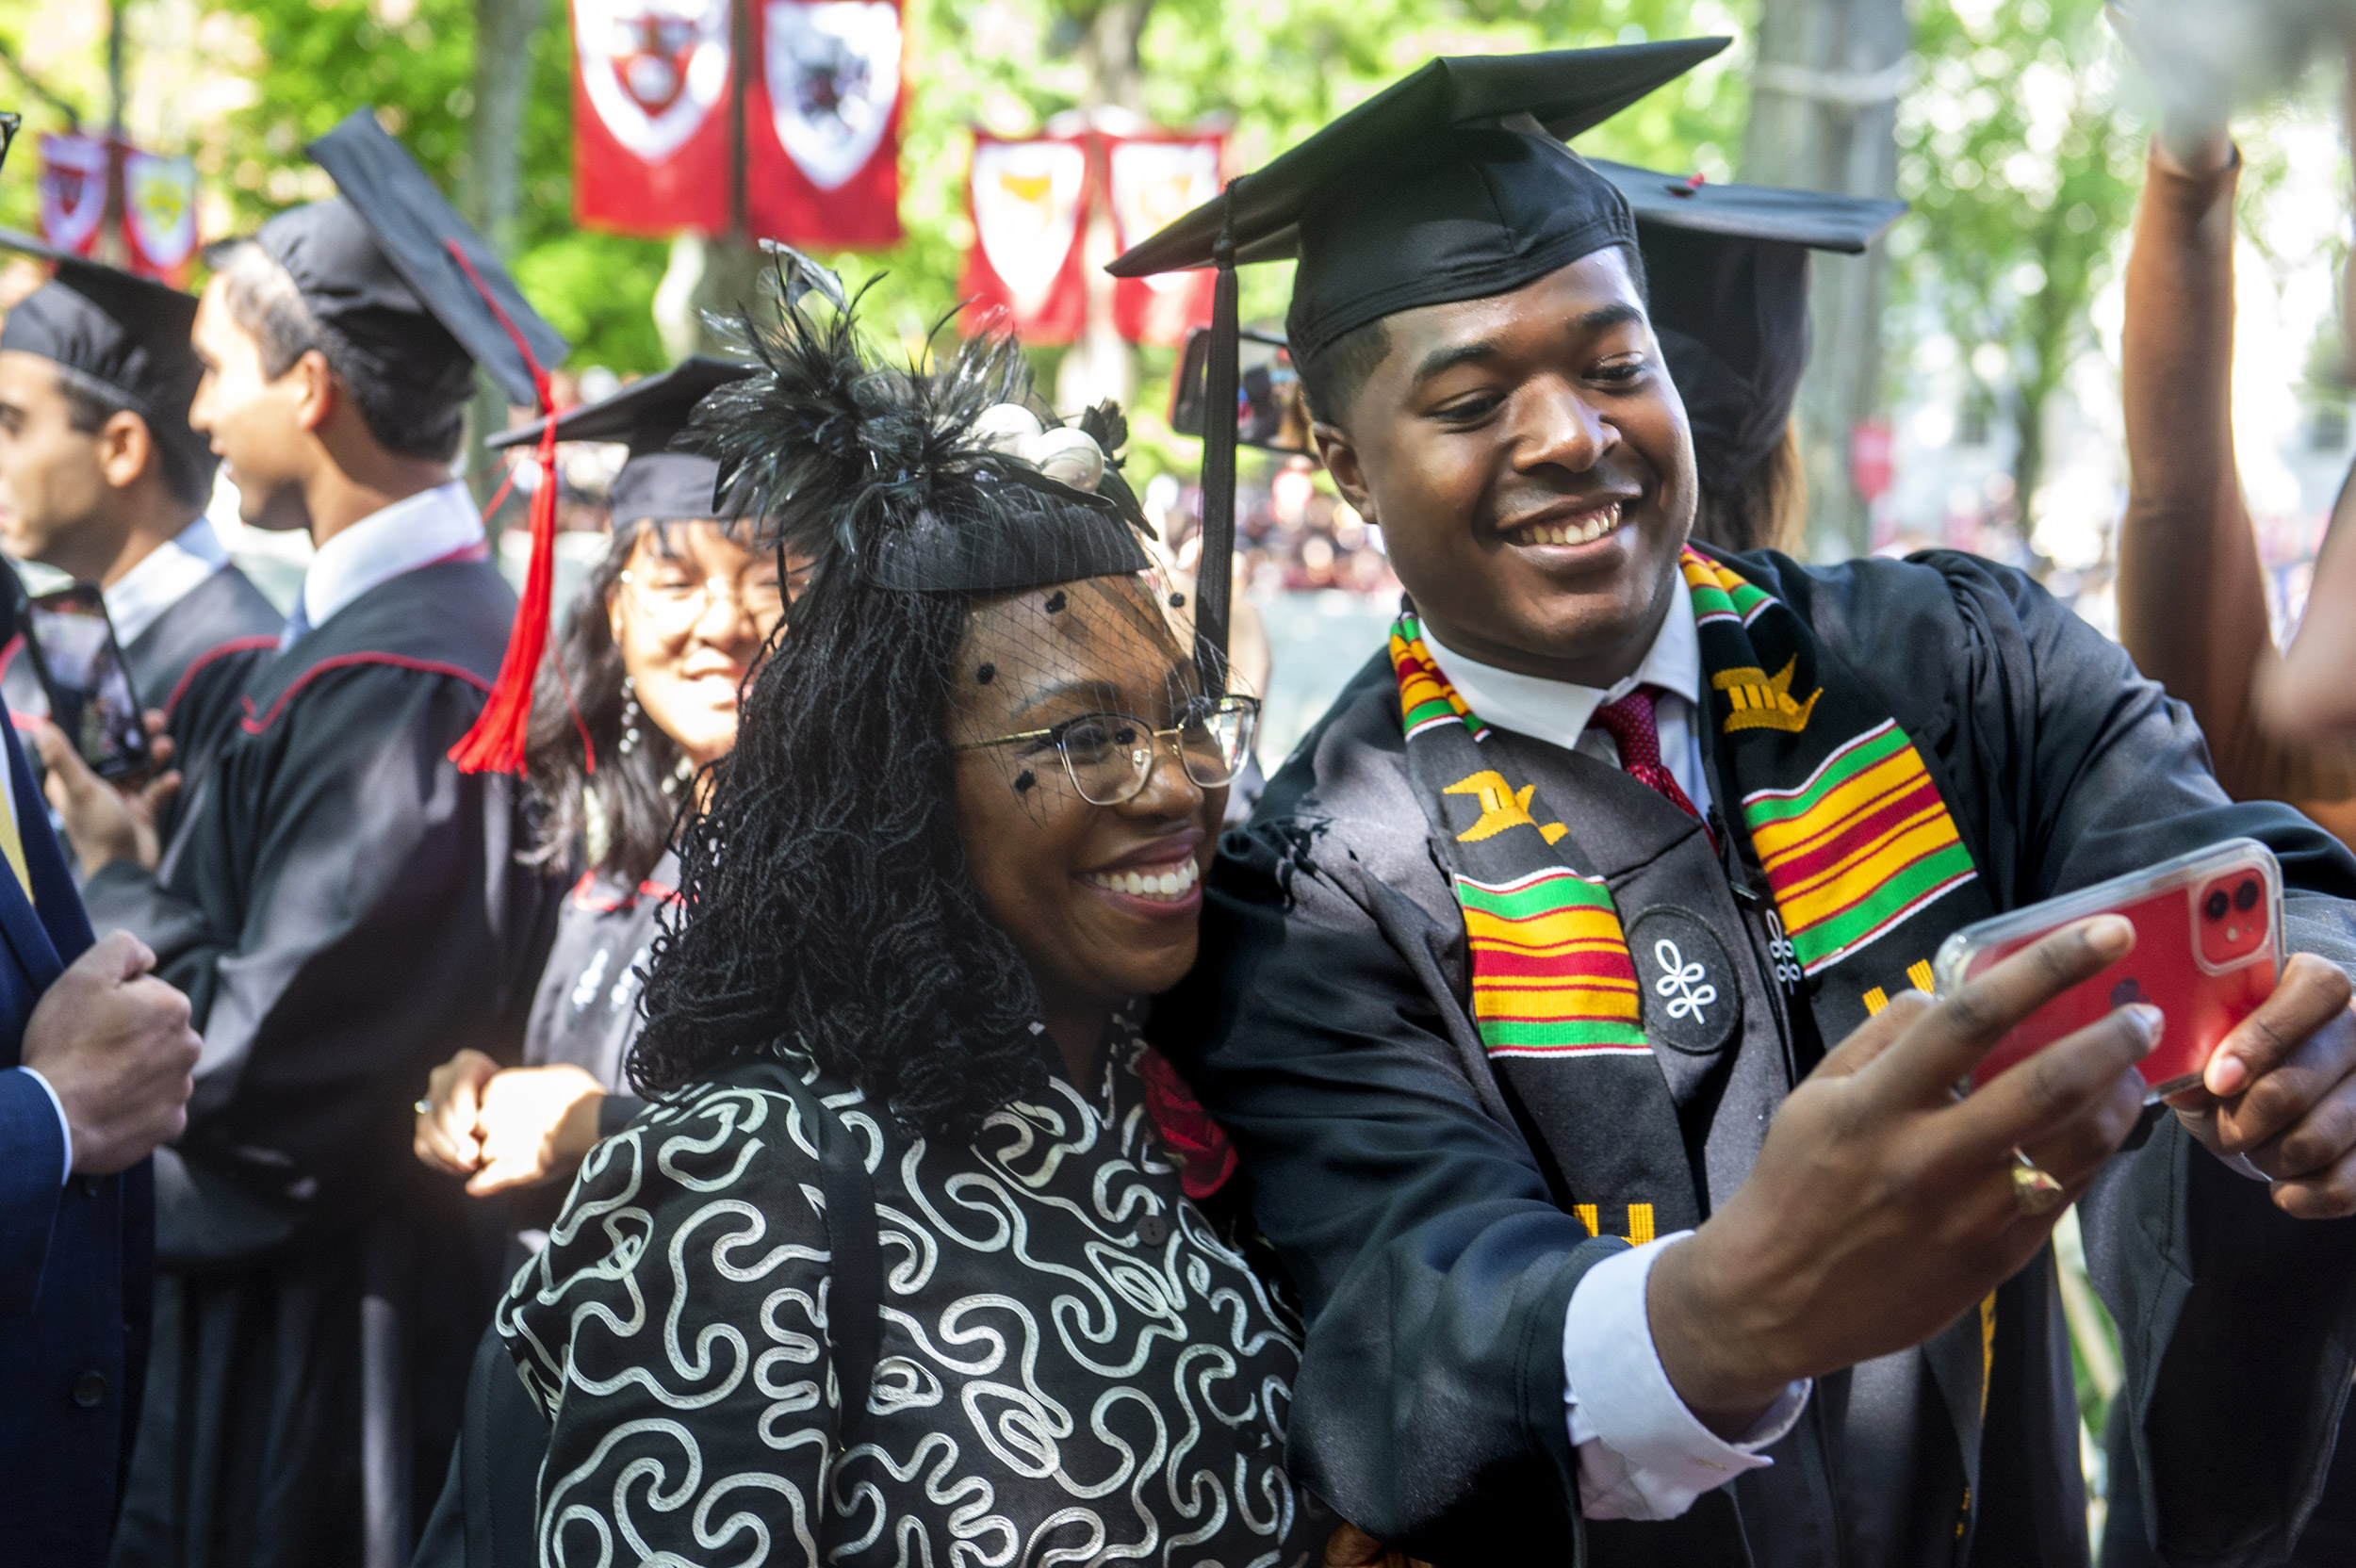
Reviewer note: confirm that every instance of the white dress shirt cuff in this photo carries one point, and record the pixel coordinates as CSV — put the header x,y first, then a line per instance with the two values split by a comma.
x,y
1641,1454
65,1127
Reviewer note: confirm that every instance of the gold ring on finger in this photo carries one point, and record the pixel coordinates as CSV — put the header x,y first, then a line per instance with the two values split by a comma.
x,y
2034,1191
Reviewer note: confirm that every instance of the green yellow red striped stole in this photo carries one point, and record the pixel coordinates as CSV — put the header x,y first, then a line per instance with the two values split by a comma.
x,y
1843,817
1842,820
1550,969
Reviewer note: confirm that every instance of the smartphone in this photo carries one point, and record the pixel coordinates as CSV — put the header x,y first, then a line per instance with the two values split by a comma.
x,y
1270,412
2208,950
81,669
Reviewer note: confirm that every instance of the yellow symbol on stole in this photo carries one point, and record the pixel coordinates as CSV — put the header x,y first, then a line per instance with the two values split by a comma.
x,y
1639,1222
1918,975
1501,805
1763,702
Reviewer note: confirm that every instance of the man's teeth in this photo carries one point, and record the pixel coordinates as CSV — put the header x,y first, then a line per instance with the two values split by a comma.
x,y
1594,528
1175,883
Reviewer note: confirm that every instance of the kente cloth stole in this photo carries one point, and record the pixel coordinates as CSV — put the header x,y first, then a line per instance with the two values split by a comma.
x,y
1838,811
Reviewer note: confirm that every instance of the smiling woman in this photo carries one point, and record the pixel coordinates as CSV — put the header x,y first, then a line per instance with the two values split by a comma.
x,y
958,841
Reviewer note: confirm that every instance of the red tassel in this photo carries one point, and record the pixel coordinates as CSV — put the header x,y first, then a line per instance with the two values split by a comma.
x,y
495,743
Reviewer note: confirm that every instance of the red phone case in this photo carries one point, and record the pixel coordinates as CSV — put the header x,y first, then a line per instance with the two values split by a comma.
x,y
2208,950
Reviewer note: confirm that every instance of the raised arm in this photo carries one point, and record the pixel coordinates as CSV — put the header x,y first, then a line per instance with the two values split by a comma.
x,y
2191,598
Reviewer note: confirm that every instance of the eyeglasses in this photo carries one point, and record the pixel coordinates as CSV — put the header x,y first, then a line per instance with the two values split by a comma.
x,y
681,600
1110,756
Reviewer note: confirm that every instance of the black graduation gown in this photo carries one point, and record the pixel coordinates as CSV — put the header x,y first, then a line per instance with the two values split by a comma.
x,y
345,909
1327,1027
586,1010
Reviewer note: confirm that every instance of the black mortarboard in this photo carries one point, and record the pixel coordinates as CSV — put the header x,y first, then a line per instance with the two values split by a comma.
x,y
127,333
376,264
657,484
1727,270
1450,184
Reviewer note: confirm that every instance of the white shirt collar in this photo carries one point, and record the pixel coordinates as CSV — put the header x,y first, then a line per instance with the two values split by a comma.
x,y
168,574
1558,710
413,533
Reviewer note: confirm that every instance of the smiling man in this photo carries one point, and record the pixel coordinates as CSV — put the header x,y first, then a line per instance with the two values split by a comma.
x,y
1565,995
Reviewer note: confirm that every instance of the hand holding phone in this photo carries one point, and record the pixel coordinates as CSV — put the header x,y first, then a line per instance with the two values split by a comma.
x,y
2209,949
86,681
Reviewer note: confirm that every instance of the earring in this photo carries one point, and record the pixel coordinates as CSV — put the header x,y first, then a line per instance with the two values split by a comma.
x,y
631,715
679,774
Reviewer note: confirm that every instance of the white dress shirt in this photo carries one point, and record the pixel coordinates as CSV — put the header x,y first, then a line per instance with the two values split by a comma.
x,y
170,573
433,525
1558,711
1641,1454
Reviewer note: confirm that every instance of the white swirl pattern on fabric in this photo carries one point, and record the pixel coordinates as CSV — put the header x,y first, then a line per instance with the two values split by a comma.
x,y
1075,1367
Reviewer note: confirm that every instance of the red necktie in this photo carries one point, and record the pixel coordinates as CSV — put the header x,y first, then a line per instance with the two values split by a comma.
x,y
1630,724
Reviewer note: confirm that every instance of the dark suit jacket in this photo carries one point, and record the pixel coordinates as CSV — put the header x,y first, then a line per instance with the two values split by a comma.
x,y
74,1257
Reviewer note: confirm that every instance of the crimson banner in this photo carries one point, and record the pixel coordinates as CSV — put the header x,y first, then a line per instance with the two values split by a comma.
x,y
650,115
1153,181
73,191
822,123
1028,200
159,214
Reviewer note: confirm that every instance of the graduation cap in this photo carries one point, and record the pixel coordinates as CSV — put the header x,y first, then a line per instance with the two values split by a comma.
x,y
1450,184
390,265
1727,270
656,484
407,284
126,332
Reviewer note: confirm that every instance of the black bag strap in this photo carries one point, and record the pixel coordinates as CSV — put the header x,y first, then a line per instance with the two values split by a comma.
x,y
855,1300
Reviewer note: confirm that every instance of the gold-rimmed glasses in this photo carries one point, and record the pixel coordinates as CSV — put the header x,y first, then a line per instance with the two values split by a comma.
x,y
677,597
1108,757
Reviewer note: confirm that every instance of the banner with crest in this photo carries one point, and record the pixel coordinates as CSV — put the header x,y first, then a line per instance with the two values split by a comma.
x,y
72,190
1151,182
651,88
1029,201
159,214
822,123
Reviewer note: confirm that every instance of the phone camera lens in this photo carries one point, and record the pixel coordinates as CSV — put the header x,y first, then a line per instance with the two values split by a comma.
x,y
2215,906
2246,896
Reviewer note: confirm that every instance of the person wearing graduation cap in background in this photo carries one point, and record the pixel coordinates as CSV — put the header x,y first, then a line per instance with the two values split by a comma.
x,y
102,479
1727,286
343,903
642,692
1566,996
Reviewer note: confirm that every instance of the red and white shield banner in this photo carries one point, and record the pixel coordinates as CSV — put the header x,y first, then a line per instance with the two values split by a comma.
x,y
1028,200
650,124
160,214
1155,181
72,190
822,123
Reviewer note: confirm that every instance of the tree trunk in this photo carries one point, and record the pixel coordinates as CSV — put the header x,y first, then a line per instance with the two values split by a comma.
x,y
490,193
728,274
1824,116
2028,457
492,196
1112,71
1101,364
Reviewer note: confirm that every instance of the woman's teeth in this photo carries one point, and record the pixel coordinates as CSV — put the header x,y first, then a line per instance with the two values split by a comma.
x,y
1176,883
1595,526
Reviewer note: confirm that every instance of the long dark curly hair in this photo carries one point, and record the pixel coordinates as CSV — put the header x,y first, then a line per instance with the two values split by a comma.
x,y
826,903
578,699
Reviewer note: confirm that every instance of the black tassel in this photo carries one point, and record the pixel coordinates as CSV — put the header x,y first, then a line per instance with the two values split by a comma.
x,y
1214,578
